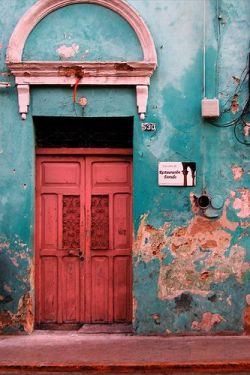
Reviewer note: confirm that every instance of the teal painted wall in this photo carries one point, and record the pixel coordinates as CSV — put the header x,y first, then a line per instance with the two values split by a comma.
x,y
191,274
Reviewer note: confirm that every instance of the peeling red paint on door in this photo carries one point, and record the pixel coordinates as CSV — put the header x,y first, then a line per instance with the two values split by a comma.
x,y
83,262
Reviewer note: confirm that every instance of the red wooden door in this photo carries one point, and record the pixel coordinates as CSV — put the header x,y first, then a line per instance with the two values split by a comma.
x,y
83,239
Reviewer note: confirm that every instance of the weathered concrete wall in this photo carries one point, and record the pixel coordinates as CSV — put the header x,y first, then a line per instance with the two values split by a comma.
x,y
191,273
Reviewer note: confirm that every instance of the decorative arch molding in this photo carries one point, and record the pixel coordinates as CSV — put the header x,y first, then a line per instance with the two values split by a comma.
x,y
136,73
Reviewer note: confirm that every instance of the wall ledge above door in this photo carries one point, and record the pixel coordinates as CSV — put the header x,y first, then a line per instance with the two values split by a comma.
x,y
133,73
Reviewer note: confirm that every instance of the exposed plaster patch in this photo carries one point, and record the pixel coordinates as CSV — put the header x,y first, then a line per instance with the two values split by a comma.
x,y
243,203
225,223
248,299
237,172
66,52
202,254
247,131
150,241
23,317
4,245
182,274
207,322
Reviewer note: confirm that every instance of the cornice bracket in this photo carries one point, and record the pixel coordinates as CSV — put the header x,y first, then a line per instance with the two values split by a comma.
x,y
142,100
23,99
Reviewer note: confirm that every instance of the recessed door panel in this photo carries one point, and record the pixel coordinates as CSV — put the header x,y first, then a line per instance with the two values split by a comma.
x,y
83,255
49,289
122,221
109,173
49,215
71,289
100,295
60,173
99,222
121,288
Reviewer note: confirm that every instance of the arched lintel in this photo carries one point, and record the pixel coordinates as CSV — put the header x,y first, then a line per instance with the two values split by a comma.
x,y
44,7
135,73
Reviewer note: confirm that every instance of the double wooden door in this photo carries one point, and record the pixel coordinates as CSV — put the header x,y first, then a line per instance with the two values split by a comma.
x,y
83,239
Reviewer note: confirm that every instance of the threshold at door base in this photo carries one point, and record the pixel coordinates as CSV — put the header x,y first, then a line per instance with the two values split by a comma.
x,y
106,328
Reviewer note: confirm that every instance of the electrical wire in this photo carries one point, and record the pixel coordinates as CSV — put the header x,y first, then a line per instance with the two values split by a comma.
x,y
240,120
236,136
239,85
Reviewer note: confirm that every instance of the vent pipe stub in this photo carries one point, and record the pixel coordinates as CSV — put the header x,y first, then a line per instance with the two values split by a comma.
x,y
210,207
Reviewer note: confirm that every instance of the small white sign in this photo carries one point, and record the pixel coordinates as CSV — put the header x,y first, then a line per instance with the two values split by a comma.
x,y
176,173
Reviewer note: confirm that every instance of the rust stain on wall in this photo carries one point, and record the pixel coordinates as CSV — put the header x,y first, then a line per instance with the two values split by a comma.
x,y
235,104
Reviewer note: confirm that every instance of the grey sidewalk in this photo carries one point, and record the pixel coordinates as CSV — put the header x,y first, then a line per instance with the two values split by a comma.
x,y
51,352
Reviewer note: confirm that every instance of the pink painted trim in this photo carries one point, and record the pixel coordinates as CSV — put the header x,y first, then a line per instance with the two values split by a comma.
x,y
43,7
84,68
142,100
23,99
136,73
84,151
47,72
102,81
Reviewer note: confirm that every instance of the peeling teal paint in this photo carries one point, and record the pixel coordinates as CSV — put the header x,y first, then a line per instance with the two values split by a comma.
x,y
80,25
165,219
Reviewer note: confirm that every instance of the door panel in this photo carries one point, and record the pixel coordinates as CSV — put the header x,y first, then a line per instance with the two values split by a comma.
x,y
83,239
100,292
60,173
49,296
71,289
121,288
49,215
122,215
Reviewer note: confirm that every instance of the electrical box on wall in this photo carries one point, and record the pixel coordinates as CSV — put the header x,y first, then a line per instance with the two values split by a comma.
x,y
210,107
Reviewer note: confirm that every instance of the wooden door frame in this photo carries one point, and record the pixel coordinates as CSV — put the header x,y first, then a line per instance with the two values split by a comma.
x,y
71,152
83,151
